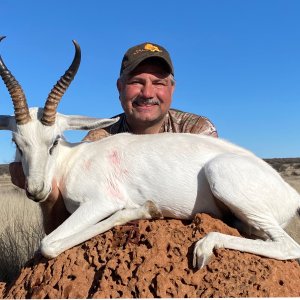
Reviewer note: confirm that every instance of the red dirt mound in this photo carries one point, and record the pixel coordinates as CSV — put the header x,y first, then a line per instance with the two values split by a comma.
x,y
148,259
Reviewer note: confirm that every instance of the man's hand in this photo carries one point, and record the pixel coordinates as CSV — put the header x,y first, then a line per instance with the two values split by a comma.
x,y
17,174
54,195
53,208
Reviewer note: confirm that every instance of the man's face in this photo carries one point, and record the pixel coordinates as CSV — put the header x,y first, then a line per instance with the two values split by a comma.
x,y
146,95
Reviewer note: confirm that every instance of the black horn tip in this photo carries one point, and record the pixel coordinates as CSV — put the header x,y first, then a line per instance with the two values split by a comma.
x,y
76,45
2,37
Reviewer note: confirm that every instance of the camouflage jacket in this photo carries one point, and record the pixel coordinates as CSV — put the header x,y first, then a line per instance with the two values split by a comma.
x,y
176,121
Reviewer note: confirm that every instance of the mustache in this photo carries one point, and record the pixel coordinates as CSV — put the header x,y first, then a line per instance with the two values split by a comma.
x,y
145,101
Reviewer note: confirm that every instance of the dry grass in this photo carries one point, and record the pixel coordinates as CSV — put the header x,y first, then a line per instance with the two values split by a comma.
x,y
20,232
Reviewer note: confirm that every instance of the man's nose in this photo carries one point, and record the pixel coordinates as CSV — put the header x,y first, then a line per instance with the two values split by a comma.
x,y
148,91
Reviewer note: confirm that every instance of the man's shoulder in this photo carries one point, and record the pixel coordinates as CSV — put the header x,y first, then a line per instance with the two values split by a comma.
x,y
190,122
182,115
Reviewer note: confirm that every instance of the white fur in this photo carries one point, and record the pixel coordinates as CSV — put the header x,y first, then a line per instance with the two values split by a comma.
x,y
108,182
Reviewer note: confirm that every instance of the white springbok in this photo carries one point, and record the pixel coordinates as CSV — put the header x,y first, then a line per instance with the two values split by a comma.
x,y
108,182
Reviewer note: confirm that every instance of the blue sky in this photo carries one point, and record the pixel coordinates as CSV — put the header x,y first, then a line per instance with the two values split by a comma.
x,y
236,62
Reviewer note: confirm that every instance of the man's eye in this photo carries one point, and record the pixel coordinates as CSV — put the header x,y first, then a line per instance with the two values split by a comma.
x,y
160,83
134,82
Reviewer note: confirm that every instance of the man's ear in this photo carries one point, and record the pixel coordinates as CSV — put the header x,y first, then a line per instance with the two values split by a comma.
x,y
173,88
119,85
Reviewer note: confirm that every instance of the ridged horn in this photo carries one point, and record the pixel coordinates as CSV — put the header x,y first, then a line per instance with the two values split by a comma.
x,y
17,95
60,88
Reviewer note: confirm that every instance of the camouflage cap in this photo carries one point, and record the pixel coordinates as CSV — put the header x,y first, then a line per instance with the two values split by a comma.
x,y
137,54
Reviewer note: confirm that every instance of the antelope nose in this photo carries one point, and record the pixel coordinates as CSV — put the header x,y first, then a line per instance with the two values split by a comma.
x,y
31,196
33,190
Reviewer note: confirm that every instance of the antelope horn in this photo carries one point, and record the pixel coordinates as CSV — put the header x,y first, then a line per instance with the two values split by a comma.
x,y
17,95
60,88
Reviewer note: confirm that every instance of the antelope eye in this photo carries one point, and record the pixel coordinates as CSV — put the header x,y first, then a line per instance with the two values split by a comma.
x,y
19,149
55,143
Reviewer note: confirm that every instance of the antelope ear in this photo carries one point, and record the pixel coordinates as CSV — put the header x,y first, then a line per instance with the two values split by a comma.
x,y
85,123
7,122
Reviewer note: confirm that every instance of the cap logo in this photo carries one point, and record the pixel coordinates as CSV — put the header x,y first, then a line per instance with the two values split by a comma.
x,y
147,47
152,48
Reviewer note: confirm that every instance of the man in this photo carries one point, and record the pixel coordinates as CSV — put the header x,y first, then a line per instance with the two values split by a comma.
x,y
146,85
